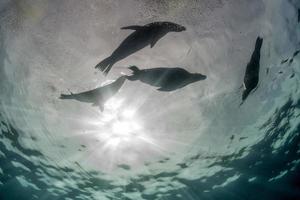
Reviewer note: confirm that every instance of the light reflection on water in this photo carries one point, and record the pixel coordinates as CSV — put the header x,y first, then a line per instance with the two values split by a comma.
x,y
191,144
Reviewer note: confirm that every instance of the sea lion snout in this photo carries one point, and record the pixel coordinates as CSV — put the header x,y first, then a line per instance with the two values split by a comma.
x,y
199,77
182,28
173,27
179,28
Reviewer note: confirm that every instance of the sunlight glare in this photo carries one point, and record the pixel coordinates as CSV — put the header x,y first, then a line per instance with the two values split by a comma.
x,y
120,130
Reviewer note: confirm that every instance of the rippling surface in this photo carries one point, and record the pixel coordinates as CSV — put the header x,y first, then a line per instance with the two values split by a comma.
x,y
192,143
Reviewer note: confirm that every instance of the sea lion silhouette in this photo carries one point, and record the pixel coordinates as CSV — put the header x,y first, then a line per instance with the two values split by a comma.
x,y
98,96
140,38
251,77
167,79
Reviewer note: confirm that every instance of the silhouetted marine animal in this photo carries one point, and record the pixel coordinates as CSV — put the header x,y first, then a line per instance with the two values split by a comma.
x,y
167,79
99,95
252,70
294,55
292,58
140,38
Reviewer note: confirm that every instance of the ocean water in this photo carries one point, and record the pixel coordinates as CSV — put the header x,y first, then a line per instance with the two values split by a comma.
x,y
193,143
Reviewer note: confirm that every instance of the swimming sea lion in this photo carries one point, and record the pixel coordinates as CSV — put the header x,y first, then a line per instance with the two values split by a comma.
x,y
251,77
167,79
140,38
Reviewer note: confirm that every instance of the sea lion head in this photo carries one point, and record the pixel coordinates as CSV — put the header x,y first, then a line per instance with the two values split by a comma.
x,y
173,27
198,77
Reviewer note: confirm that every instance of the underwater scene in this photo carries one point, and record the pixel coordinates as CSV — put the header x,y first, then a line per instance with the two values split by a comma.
x,y
149,100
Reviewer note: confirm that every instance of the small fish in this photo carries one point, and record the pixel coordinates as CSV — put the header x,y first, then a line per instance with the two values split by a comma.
x,y
284,61
242,138
296,53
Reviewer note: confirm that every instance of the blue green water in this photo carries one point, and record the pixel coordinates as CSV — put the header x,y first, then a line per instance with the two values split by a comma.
x,y
195,143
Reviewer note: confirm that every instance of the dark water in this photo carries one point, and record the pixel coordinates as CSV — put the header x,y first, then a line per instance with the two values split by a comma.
x,y
260,171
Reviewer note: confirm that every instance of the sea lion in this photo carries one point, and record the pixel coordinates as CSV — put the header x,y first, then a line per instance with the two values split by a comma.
x,y
140,38
97,96
167,79
251,77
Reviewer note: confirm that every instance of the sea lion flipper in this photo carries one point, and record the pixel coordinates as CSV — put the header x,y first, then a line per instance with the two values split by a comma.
x,y
101,107
106,64
154,41
134,68
135,73
135,27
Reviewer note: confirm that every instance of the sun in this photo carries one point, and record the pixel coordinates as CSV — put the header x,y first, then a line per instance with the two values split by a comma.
x,y
125,128
120,136
122,125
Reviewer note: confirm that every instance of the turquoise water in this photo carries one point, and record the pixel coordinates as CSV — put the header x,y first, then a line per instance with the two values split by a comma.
x,y
194,143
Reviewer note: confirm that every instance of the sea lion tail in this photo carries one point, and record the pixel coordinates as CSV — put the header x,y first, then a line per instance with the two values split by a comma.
x,y
66,96
258,43
135,71
105,65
